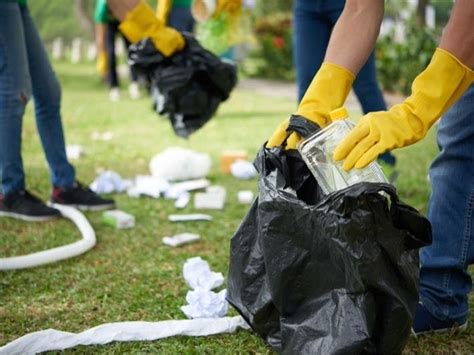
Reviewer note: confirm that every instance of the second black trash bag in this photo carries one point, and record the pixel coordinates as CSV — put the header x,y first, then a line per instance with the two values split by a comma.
x,y
336,274
189,86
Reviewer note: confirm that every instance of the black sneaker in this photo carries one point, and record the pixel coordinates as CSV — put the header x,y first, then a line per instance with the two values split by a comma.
x,y
80,197
27,207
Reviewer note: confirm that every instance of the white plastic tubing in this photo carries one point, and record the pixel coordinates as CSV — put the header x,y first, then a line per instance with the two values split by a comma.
x,y
51,339
60,253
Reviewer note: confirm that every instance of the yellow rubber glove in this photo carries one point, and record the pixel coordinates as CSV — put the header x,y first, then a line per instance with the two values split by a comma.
x,y
437,88
230,6
101,64
141,23
328,91
163,8
203,10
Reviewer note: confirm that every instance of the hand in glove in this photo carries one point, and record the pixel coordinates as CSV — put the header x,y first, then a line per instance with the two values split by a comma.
x,y
437,88
141,23
328,91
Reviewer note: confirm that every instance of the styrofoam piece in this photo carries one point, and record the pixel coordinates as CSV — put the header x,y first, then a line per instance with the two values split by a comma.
x,y
52,339
245,197
118,219
180,164
59,253
213,198
180,239
183,200
189,217
102,136
198,274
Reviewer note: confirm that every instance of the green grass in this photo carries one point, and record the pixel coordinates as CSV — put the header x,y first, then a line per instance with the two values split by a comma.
x,y
130,275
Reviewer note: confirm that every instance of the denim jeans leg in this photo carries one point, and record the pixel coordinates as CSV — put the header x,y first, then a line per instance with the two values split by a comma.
x,y
311,34
15,91
445,282
181,19
47,98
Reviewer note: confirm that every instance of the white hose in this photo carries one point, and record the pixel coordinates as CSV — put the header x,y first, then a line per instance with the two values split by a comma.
x,y
60,253
51,339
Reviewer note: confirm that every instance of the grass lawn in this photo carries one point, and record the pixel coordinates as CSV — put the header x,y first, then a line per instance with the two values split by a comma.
x,y
130,275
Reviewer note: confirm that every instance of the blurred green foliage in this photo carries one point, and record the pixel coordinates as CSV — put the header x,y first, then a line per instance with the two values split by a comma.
x,y
398,63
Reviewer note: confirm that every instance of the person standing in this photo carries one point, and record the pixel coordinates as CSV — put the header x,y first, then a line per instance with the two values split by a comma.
x,y
25,71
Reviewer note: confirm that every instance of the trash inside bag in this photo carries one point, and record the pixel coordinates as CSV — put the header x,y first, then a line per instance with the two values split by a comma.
x,y
187,87
326,274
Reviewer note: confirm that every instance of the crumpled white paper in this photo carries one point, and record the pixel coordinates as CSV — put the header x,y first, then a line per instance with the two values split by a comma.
x,y
205,304
243,170
180,164
52,339
198,275
108,182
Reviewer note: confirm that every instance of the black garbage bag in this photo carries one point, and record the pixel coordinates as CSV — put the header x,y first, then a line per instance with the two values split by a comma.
x,y
187,87
316,274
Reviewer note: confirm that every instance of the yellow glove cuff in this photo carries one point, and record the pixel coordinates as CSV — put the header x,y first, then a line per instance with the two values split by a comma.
x,y
328,91
141,22
163,9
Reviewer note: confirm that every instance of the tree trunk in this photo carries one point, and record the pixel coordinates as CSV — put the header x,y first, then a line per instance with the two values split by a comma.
x,y
82,15
421,12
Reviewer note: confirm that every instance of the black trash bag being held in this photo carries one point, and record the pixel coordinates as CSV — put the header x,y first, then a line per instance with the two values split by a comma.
x,y
316,274
187,87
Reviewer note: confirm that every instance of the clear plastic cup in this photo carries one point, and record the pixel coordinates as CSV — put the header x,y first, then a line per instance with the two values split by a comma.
x,y
317,152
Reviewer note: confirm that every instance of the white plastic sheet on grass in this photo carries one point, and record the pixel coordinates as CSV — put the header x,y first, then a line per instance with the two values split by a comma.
x,y
52,339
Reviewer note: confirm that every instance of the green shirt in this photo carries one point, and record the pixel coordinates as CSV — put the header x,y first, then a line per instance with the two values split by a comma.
x,y
20,2
102,13
182,3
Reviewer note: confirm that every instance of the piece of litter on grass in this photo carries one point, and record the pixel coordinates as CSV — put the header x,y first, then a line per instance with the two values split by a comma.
x,y
118,219
147,185
245,197
205,304
102,136
74,151
213,198
180,239
180,164
176,189
108,182
198,274
183,200
243,170
228,157
189,217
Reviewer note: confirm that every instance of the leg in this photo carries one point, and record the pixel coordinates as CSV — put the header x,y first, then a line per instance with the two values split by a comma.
x,y
445,282
15,91
112,29
310,39
181,19
47,98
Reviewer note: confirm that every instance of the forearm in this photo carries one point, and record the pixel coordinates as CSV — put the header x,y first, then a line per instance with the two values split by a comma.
x,y
355,33
120,8
458,35
100,36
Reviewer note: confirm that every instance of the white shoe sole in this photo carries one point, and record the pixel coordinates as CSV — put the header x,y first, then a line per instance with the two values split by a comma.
x,y
460,328
86,207
28,218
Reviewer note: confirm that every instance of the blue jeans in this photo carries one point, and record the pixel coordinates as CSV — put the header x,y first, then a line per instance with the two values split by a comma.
x,y
25,70
181,19
313,23
445,282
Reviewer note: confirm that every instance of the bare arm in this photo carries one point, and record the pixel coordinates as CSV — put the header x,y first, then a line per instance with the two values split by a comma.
x,y
355,33
458,35
120,8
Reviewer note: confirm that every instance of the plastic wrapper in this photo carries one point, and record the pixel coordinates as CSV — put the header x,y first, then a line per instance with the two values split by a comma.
x,y
325,274
187,87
